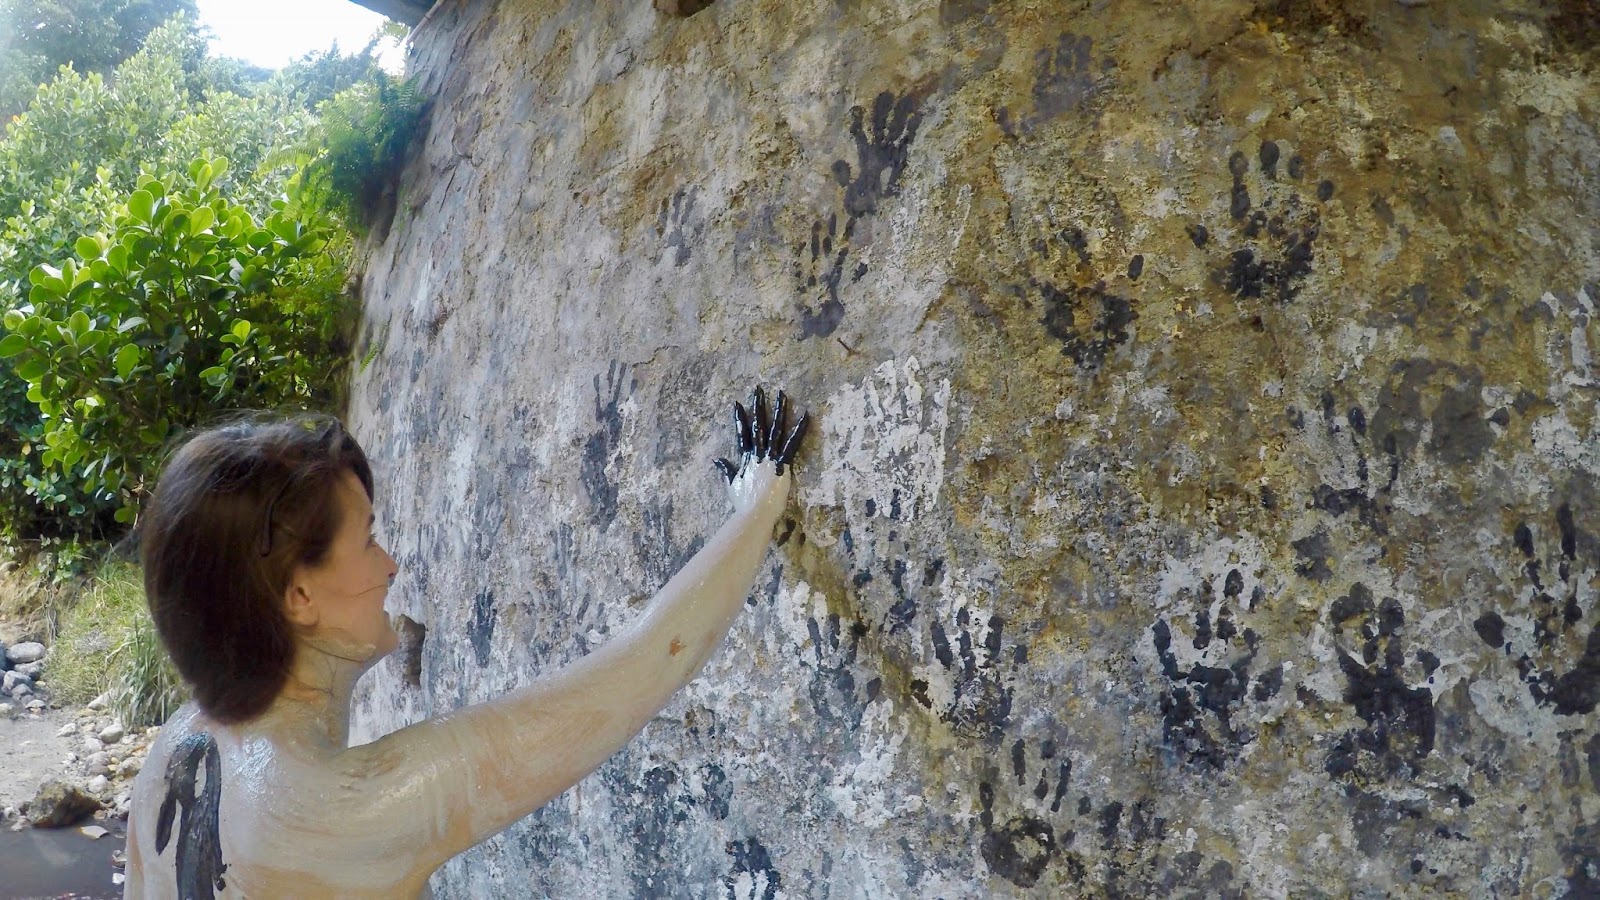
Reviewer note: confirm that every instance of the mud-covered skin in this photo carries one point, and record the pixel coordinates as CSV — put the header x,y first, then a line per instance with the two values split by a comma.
x,y
1096,305
281,805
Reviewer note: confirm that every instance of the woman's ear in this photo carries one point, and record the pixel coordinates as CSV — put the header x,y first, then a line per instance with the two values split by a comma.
x,y
297,602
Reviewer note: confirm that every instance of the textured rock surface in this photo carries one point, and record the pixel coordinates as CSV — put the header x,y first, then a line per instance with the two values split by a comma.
x,y
1203,495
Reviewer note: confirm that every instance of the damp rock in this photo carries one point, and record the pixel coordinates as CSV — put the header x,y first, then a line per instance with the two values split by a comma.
x,y
59,804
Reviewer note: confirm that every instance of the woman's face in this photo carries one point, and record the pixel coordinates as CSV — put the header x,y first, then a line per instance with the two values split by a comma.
x,y
341,600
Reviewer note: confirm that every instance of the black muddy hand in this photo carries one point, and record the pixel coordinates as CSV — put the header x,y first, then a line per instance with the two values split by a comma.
x,y
762,435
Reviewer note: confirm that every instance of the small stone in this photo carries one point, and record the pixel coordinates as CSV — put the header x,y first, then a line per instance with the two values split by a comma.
x,y
59,804
35,705
93,832
12,679
68,730
92,745
128,768
100,702
112,733
33,670
99,784
22,689
7,710
26,652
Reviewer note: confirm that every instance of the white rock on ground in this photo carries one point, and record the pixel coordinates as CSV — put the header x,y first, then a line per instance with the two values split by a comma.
x,y
98,784
68,730
100,702
12,679
112,733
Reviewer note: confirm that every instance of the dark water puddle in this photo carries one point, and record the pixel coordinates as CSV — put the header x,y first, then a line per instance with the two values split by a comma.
x,y
58,862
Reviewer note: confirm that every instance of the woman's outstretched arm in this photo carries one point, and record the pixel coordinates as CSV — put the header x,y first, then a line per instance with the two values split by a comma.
x,y
470,773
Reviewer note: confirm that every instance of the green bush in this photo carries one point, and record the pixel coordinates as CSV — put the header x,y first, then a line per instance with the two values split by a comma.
x,y
187,306
69,167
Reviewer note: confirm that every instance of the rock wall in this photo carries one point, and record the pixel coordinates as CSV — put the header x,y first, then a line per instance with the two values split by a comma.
x,y
1202,502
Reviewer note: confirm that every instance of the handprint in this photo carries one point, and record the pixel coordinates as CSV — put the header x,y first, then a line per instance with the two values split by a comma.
x,y
600,446
881,154
1541,631
973,693
680,224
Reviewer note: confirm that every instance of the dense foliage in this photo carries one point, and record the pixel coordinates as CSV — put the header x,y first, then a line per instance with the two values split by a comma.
x,y
39,36
164,259
185,306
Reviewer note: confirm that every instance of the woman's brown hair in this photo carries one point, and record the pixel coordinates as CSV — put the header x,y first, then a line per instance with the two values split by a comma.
x,y
237,509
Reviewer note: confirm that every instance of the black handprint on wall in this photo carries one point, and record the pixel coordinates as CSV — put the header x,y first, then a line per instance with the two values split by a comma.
x,y
597,450
1205,696
1552,609
1399,730
882,139
975,696
1370,498
679,224
883,144
1276,231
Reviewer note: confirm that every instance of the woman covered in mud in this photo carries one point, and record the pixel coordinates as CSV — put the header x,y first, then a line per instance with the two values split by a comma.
x,y
267,585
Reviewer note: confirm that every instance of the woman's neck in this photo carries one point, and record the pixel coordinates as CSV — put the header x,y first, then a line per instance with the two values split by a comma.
x,y
315,702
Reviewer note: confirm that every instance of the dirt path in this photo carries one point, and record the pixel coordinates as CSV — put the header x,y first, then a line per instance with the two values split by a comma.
x,y
31,753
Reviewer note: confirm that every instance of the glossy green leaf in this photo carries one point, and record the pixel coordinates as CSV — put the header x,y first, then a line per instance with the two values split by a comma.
x,y
141,204
126,359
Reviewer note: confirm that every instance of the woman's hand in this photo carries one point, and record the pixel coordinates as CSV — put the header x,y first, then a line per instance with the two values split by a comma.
x,y
766,450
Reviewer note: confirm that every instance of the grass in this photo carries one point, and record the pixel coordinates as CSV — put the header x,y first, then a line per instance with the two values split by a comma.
x,y
106,643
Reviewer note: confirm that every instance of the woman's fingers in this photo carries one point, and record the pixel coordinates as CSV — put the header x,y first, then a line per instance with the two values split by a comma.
x,y
741,423
791,445
775,431
760,433
758,423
